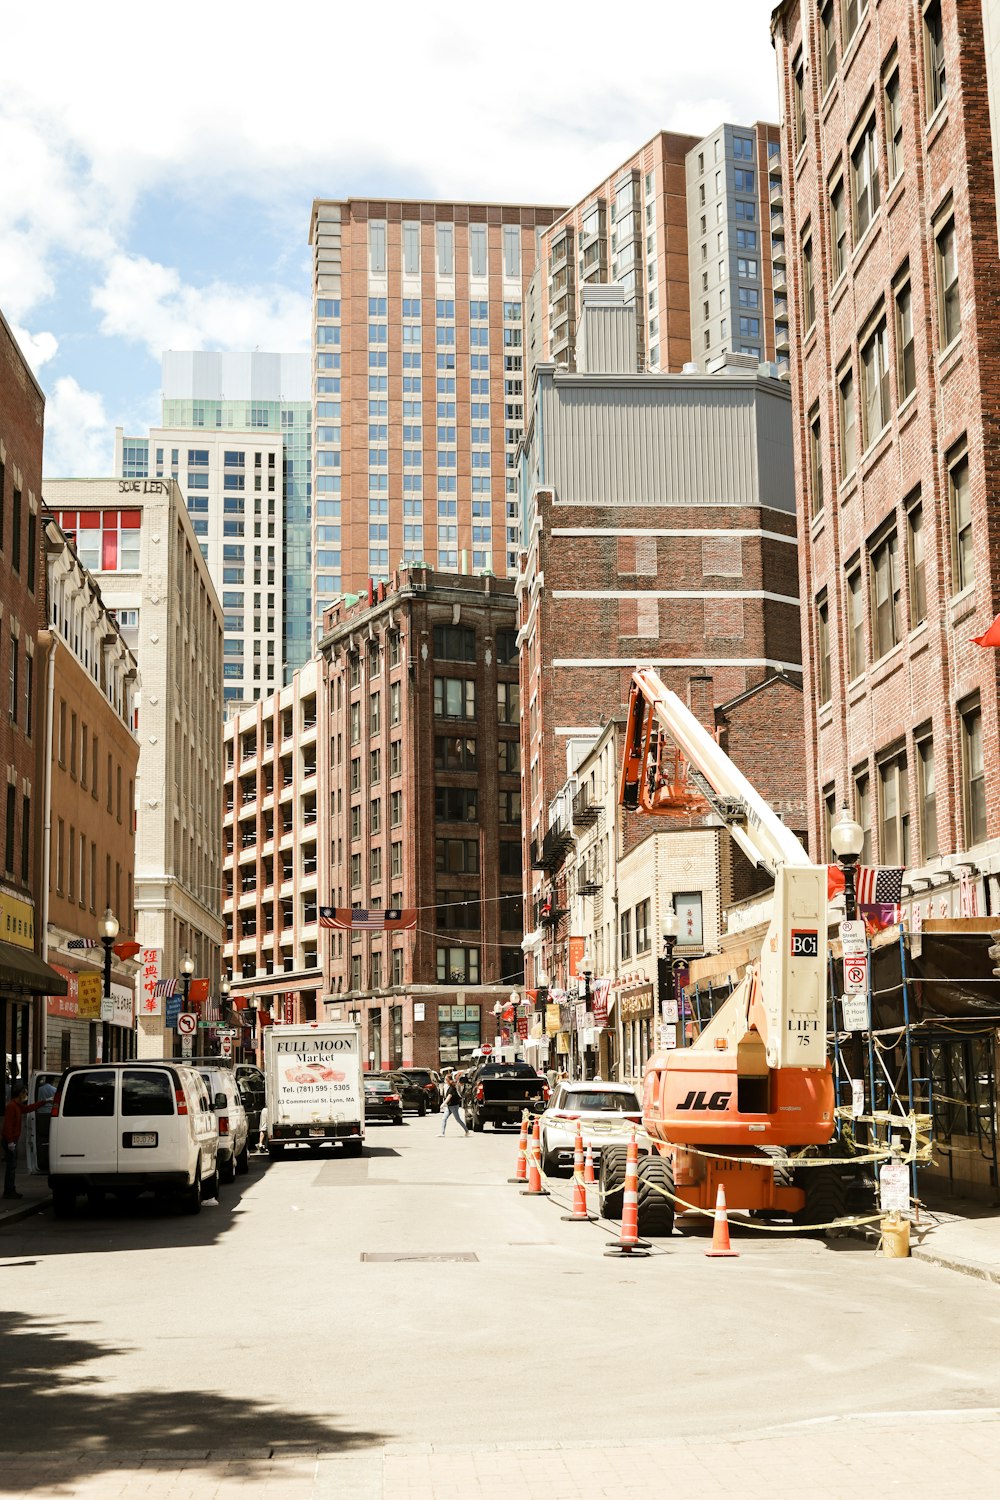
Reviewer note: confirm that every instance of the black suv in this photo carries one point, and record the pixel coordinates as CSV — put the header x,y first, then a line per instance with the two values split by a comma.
x,y
382,1100
430,1084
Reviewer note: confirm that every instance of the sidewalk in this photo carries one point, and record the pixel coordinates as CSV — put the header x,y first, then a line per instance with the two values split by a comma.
x,y
965,1237
35,1192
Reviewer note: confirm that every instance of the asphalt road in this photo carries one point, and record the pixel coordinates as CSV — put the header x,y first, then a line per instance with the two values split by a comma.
x,y
258,1325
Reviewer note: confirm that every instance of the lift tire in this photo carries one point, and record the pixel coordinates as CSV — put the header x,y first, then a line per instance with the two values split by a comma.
x,y
656,1211
611,1183
826,1190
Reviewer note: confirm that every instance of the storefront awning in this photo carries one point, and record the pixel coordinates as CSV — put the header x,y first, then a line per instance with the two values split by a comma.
x,y
24,973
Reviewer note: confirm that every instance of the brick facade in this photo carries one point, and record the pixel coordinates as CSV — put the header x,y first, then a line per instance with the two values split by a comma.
x,y
899,536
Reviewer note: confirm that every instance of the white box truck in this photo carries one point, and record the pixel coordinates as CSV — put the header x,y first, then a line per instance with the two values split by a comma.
x,y
313,1086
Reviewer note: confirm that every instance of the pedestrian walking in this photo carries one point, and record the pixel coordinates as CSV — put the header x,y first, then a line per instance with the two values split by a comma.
x,y
262,1139
11,1135
452,1104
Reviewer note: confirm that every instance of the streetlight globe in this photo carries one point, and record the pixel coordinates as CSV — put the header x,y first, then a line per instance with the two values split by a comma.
x,y
670,923
846,835
586,962
108,927
187,965
541,980
225,987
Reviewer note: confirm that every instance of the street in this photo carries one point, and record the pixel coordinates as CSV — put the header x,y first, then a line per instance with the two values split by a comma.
x,y
146,1352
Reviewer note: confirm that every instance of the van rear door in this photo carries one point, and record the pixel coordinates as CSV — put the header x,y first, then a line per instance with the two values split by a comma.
x,y
36,1126
148,1126
88,1132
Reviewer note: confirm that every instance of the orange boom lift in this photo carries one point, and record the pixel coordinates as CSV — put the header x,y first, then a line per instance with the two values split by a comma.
x,y
758,1076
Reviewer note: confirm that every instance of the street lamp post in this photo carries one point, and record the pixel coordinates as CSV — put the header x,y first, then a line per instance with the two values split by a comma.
x,y
847,839
224,1008
108,929
541,996
666,987
586,967
187,969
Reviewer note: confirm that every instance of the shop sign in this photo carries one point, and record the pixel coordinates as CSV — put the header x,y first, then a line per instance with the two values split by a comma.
x,y
150,965
64,1006
562,1042
637,1005
690,929
418,1010
577,948
17,920
88,992
122,1006
599,1001
552,1020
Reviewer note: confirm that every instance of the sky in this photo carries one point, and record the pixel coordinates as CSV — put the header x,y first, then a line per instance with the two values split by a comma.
x,y
159,163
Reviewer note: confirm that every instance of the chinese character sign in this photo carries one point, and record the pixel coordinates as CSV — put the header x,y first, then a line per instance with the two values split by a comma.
x,y
150,962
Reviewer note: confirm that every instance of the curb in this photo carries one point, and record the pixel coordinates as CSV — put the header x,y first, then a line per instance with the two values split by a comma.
x,y
15,1215
956,1263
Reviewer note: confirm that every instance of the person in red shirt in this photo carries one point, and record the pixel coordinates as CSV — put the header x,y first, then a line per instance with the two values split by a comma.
x,y
11,1134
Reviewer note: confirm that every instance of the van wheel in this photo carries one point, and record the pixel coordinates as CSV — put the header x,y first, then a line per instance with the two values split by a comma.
x,y
63,1202
243,1161
421,1109
227,1169
191,1199
210,1186
274,1151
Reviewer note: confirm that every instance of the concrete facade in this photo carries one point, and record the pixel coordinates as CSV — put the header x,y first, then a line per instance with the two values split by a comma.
x,y
895,282
152,573
418,385
93,762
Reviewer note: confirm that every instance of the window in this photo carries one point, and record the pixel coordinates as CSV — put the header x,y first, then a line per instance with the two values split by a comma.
x,y
355,871
455,804
374,815
798,103
894,812
454,698
915,562
906,367
838,229
445,249
375,865
828,46
454,643
864,179
946,268
883,563
395,703
375,713
376,245
893,126
459,966
855,622
874,384
510,807
509,757
508,702
454,753
411,249
396,758
9,837
374,767
12,700
457,856
816,461
15,539
395,809
863,813
934,70
511,252
626,934
643,932
477,250
848,456
852,13
823,648
90,1095
808,285
973,774
960,512
927,795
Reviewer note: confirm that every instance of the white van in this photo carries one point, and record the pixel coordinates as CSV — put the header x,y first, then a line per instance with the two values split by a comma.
x,y
232,1118
132,1127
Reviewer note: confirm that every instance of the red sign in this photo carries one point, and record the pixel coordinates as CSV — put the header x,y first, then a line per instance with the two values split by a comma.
x,y
486,1049
577,948
66,1006
289,1009
522,1026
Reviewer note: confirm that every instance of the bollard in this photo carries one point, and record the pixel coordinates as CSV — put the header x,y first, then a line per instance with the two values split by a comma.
x,y
534,1188
521,1174
579,1214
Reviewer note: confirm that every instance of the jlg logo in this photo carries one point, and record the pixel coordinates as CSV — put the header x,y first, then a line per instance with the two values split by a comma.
x,y
805,943
701,1100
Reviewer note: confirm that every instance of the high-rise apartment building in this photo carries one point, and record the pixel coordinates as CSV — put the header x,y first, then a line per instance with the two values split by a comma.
x,y
136,537
236,437
736,245
891,226
684,227
418,386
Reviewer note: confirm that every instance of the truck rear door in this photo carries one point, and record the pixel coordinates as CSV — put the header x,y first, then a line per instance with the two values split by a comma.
x,y
85,1137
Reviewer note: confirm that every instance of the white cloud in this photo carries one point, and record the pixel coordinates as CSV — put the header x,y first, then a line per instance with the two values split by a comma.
x,y
37,348
149,303
79,440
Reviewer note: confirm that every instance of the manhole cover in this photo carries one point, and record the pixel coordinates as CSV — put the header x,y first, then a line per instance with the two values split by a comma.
x,y
430,1255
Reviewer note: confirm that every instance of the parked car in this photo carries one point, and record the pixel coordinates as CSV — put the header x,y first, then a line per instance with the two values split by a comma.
x,y
501,1092
250,1082
232,1118
604,1113
410,1091
430,1083
382,1099
132,1127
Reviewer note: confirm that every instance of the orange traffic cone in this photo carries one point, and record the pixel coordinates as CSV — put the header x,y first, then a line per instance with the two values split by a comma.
x,y
579,1214
720,1230
630,1243
521,1174
588,1167
534,1187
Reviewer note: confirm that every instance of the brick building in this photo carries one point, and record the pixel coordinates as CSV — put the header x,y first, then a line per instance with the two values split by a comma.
x,y
895,284
90,687
425,810
418,385
276,873
24,978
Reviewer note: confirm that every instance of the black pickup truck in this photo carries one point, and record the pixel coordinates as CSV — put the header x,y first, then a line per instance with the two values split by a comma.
x,y
501,1092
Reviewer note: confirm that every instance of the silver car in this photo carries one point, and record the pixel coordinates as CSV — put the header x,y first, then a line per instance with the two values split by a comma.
x,y
604,1113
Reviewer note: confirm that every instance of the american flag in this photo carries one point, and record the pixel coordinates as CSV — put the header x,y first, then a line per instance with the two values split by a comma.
x,y
368,919
84,943
874,885
166,987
